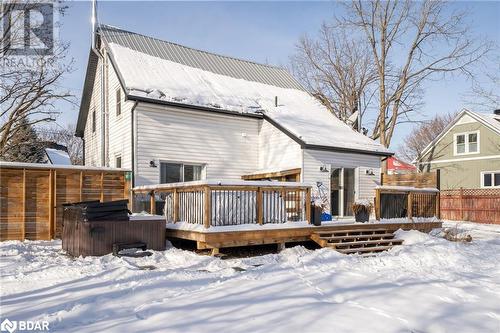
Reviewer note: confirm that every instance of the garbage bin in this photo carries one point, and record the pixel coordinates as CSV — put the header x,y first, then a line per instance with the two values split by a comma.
x,y
316,214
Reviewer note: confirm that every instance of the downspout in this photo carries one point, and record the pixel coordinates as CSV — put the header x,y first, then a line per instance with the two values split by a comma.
x,y
132,147
101,58
83,150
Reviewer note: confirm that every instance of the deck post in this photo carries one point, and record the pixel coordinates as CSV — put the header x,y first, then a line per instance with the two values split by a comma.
x,y
102,186
207,208
260,208
308,205
176,205
152,203
377,204
438,205
409,208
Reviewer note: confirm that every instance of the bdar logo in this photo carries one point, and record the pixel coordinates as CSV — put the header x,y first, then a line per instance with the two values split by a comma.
x,y
9,326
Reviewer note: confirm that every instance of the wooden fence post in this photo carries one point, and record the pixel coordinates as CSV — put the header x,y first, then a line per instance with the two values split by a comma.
x,y
176,205
152,202
51,204
81,185
23,226
54,207
377,204
409,209
461,203
207,214
260,208
308,205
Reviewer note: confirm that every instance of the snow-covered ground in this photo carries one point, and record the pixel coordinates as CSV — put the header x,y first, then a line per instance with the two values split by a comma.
x,y
426,285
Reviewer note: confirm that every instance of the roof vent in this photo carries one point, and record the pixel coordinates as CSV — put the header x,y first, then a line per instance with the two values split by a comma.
x,y
497,112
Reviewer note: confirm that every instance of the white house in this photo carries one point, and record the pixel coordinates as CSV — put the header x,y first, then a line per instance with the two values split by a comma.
x,y
172,113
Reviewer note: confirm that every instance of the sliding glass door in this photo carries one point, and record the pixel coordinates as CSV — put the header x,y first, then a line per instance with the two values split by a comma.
x,y
342,193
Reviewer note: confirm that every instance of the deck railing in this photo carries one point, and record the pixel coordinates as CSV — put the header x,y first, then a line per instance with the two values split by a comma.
x,y
210,203
400,201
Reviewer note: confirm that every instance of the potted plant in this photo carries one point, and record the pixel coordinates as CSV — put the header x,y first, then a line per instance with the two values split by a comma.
x,y
362,210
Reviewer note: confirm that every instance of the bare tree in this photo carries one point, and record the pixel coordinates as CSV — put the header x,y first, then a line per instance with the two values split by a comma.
x,y
485,95
336,69
29,85
434,41
64,136
416,141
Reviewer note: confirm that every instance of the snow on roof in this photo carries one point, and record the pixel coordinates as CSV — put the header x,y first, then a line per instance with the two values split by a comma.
x,y
490,119
298,112
57,156
4,164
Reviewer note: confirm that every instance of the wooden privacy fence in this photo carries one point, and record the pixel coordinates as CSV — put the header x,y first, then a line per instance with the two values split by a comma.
x,y
418,180
476,205
212,204
396,202
32,195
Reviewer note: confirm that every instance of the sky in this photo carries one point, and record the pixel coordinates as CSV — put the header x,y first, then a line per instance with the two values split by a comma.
x,y
264,32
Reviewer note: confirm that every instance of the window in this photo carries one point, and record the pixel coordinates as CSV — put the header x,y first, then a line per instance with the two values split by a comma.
x,y
118,161
93,121
118,102
466,143
178,172
490,179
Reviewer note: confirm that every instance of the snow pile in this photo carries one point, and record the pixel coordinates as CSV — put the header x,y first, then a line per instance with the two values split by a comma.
x,y
430,285
363,202
411,237
297,111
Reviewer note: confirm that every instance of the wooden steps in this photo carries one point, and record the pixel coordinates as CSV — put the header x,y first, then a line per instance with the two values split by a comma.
x,y
363,241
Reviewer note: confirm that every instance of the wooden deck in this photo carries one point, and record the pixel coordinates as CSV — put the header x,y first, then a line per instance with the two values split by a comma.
x,y
215,240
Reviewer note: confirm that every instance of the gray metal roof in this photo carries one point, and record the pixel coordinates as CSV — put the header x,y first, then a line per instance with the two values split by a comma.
x,y
219,64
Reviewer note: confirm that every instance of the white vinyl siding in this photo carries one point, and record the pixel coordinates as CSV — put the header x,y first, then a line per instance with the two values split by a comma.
x,y
365,183
277,151
120,140
119,127
226,145
93,138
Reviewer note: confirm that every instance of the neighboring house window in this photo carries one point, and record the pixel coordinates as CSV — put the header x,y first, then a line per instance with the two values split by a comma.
x,y
93,121
179,172
466,143
118,102
118,161
490,179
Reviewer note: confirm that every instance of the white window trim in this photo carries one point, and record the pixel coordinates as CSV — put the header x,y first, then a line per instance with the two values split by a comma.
x,y
466,134
492,179
121,160
202,165
118,101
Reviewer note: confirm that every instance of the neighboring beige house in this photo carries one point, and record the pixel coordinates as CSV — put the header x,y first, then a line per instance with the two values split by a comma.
x,y
467,152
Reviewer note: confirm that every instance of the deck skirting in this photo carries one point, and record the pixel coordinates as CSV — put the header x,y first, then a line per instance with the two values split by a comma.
x,y
212,239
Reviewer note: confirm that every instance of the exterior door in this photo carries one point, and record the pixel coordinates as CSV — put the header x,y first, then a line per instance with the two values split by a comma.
x,y
348,188
342,193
